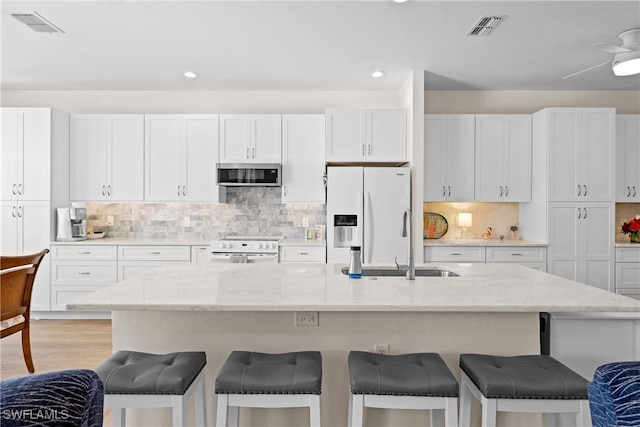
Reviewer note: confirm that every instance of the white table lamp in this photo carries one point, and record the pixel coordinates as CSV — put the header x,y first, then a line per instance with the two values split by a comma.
x,y
465,221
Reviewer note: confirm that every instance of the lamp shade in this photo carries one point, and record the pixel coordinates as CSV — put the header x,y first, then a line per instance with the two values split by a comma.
x,y
465,219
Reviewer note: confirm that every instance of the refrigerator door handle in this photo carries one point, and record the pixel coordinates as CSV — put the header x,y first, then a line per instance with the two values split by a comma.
x,y
360,226
369,212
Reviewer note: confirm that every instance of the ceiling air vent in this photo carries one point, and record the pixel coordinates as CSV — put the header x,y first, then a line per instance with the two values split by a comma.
x,y
36,22
485,25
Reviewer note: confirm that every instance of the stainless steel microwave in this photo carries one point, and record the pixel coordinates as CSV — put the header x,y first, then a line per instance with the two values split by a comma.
x,y
248,174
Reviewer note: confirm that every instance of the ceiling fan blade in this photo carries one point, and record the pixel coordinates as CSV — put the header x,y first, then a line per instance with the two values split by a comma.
x,y
610,48
587,69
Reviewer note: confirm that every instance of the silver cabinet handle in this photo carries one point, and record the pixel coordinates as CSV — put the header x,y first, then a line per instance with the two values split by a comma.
x,y
579,213
303,253
516,254
184,190
634,191
103,191
585,190
84,273
284,190
501,191
155,253
20,189
247,152
369,149
108,190
363,149
253,153
84,253
19,211
579,190
444,191
14,212
585,213
506,189
178,190
628,191
449,187
14,190
456,254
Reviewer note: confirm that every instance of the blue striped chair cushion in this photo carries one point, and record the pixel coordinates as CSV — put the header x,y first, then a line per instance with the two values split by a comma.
x,y
614,395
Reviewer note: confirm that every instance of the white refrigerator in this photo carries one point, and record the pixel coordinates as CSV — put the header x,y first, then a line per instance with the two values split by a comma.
x,y
365,207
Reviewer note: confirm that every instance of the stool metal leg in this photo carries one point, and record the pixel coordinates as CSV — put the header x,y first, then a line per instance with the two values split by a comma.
x,y
451,412
583,418
435,417
177,407
119,417
314,410
201,404
350,415
489,411
465,402
221,413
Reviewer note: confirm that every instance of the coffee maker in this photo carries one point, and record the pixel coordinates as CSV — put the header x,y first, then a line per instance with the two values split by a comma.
x,y
72,223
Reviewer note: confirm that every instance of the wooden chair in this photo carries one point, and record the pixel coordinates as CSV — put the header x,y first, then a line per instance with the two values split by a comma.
x,y
17,275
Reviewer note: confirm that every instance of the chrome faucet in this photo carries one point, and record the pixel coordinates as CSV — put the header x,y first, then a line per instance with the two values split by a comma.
x,y
411,268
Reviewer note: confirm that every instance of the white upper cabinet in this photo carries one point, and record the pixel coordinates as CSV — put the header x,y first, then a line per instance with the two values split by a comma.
x,y
250,138
628,158
107,157
26,153
503,158
366,135
449,157
581,154
181,152
303,164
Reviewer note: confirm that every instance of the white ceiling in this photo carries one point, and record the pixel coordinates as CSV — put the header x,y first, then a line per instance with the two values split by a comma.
x,y
312,45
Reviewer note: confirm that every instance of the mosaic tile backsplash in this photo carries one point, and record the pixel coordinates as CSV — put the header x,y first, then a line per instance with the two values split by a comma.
x,y
248,212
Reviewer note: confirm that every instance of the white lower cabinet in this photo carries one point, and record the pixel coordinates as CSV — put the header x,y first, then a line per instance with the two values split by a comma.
x,y
134,260
303,253
200,254
628,272
78,270
531,256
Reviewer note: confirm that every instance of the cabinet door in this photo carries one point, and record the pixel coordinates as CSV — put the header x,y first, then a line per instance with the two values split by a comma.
x,y
235,138
266,138
564,154
201,155
435,157
34,236
490,158
386,135
125,157
564,247
346,129
460,157
162,141
9,227
36,151
628,158
517,161
597,237
303,165
597,151
9,154
88,157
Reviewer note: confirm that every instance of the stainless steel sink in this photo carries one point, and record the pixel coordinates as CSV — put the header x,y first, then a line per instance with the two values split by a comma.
x,y
420,272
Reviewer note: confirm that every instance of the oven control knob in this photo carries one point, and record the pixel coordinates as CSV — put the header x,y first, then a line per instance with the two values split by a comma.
x,y
260,245
273,246
223,245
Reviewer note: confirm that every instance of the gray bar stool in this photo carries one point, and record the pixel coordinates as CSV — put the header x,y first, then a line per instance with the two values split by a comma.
x,y
143,380
263,380
405,381
533,383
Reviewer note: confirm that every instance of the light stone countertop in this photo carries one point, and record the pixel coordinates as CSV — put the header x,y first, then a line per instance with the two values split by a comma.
x,y
105,241
322,287
627,244
481,242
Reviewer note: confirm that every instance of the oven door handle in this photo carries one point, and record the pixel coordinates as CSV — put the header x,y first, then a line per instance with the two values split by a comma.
x,y
262,258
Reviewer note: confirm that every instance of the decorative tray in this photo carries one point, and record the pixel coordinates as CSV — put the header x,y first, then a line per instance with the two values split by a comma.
x,y
434,226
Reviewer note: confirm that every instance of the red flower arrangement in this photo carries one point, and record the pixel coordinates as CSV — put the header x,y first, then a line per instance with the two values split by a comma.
x,y
632,228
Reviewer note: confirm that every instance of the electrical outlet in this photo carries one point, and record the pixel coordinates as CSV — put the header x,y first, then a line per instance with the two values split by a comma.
x,y
305,221
187,221
109,220
306,318
383,348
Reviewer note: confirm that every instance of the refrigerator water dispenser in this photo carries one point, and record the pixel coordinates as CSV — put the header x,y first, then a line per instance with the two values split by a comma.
x,y
345,231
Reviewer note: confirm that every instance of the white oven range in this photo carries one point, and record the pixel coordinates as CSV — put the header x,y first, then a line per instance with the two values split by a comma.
x,y
244,249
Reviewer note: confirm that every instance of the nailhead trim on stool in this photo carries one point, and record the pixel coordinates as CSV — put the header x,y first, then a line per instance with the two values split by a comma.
x,y
404,381
531,383
264,380
143,380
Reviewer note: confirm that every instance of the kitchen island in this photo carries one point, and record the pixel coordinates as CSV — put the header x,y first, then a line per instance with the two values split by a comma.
x,y
490,308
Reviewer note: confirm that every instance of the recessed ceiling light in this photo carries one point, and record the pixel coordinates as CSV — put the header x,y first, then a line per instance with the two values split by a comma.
x,y
190,74
377,73
400,1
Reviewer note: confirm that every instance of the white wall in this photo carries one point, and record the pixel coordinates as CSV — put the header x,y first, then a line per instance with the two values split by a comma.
x,y
213,102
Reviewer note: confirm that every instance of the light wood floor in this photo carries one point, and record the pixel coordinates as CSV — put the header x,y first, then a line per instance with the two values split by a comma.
x,y
57,345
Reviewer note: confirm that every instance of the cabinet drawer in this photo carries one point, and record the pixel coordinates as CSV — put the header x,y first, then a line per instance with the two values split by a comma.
x,y
128,269
79,252
631,293
79,273
454,254
155,253
627,254
303,254
516,254
61,295
627,275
